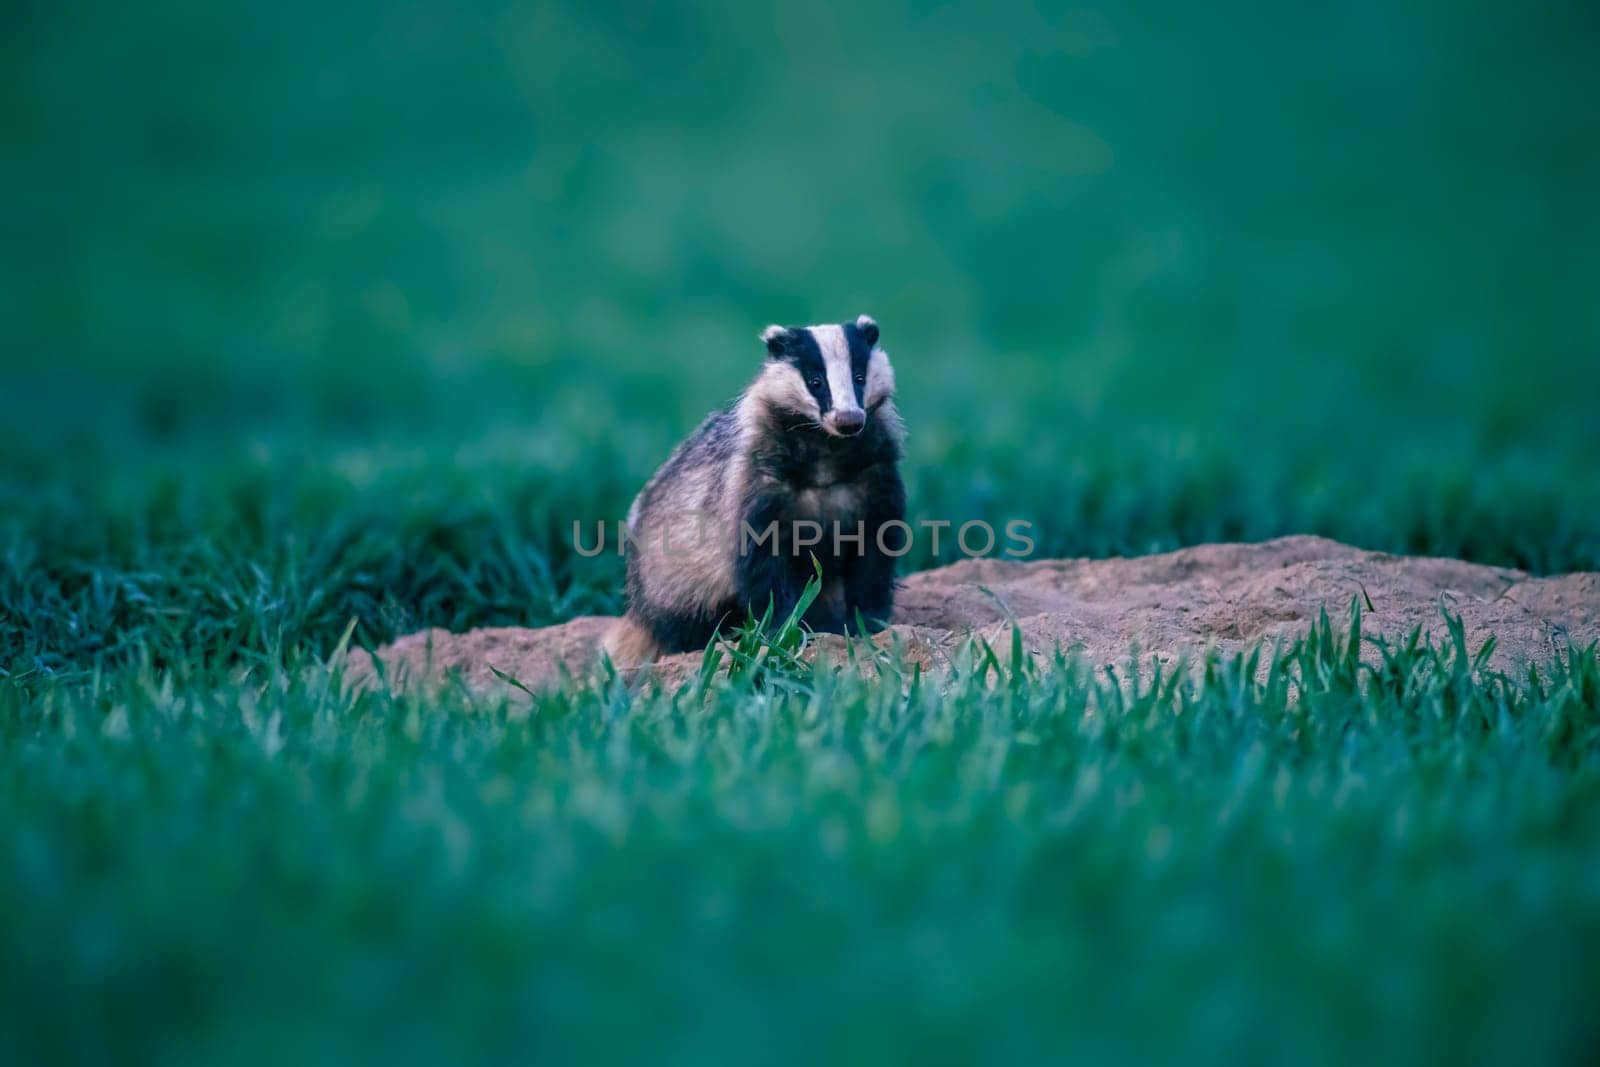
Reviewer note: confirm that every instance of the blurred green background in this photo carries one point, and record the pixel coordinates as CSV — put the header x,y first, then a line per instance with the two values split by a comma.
x,y
328,311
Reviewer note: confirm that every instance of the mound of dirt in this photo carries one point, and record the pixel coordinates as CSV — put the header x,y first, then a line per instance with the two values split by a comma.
x,y
1227,597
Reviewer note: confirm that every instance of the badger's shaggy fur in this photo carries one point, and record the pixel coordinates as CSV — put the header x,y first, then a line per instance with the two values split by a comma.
x,y
814,439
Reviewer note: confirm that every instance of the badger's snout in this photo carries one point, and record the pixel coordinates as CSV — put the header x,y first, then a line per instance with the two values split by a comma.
x,y
848,423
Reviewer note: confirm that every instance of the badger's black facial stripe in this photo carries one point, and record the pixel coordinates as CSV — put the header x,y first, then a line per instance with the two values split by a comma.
x,y
802,351
860,355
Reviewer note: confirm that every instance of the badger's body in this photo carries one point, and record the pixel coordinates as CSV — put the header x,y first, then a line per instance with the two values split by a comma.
x,y
724,526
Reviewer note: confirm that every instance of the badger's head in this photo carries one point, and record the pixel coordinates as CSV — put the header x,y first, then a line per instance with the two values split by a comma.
x,y
835,377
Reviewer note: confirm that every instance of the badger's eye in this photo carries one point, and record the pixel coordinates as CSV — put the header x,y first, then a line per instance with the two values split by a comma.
x,y
815,383
861,379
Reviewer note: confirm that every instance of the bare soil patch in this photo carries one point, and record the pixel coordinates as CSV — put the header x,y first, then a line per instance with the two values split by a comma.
x,y
1227,596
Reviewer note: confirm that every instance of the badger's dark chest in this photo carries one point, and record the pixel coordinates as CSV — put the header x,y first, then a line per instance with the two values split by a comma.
x,y
811,460
828,479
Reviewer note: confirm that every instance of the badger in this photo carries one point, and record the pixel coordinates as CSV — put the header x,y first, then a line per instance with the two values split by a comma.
x,y
801,470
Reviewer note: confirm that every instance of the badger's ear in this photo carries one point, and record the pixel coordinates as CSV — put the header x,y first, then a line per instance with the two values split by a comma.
x,y
868,328
776,338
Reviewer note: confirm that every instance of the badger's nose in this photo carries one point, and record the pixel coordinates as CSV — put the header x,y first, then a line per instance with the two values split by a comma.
x,y
849,422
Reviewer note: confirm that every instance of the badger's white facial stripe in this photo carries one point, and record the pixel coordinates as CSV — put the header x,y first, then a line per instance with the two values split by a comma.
x,y
836,358
880,378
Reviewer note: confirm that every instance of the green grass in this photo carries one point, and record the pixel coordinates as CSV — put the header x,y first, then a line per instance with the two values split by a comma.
x,y
328,313
1318,861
